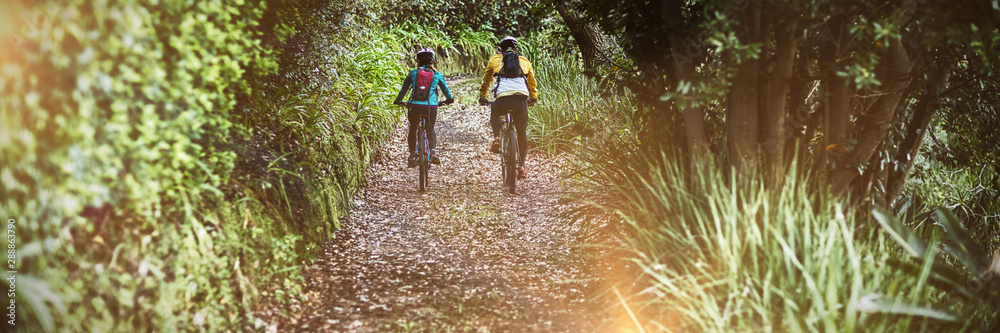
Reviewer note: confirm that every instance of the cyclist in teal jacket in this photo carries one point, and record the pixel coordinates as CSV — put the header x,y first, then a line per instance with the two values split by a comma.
x,y
425,60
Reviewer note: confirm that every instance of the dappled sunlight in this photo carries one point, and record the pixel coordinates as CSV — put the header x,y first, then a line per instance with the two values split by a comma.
x,y
8,32
464,255
693,166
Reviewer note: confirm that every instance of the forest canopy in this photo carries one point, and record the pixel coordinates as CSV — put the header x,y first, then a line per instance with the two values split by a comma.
x,y
847,89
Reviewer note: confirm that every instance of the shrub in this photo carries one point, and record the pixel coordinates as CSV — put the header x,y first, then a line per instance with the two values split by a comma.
x,y
159,172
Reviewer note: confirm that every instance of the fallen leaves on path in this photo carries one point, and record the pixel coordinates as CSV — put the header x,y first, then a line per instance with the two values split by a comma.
x,y
464,256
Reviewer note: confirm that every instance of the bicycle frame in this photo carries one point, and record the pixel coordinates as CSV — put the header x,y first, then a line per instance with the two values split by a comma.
x,y
422,150
509,152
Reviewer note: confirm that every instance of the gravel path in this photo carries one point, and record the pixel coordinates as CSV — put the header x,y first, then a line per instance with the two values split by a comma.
x,y
464,256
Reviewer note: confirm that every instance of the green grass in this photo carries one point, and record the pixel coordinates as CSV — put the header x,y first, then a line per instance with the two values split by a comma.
x,y
461,50
572,106
713,252
953,262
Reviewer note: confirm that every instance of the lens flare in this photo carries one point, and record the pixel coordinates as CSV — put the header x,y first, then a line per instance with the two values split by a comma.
x,y
9,22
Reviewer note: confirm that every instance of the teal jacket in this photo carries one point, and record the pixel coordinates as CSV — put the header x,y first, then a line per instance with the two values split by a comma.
x,y
410,81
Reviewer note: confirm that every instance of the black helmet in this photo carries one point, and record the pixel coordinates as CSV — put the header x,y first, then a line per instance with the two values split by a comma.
x,y
425,54
508,42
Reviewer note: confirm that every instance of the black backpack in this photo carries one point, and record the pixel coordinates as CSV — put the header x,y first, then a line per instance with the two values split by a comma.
x,y
511,67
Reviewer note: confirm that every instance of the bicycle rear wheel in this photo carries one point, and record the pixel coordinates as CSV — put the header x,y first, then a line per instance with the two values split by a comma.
x,y
424,162
511,162
504,172
504,156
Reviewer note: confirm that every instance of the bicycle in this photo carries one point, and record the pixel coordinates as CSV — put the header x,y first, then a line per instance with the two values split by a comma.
x,y
423,150
509,152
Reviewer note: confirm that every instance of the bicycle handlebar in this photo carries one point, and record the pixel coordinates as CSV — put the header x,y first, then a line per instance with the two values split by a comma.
x,y
490,103
408,104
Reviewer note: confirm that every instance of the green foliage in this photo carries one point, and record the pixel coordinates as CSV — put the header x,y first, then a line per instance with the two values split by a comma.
x,y
505,17
572,106
970,192
116,121
460,49
970,280
972,101
703,58
718,252
165,161
464,33
111,98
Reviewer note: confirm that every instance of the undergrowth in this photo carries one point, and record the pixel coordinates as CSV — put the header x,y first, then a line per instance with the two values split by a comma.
x,y
971,192
715,252
167,163
572,106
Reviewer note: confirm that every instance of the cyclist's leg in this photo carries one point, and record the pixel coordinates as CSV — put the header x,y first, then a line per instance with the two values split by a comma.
x,y
520,119
496,111
495,117
411,116
501,105
431,118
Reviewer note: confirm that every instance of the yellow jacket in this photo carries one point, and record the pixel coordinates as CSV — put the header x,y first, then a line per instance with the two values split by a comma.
x,y
493,66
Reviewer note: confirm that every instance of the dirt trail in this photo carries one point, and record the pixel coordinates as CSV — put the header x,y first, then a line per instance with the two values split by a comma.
x,y
464,256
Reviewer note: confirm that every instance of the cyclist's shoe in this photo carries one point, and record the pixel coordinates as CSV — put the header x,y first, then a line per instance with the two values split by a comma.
x,y
520,173
495,148
434,157
412,160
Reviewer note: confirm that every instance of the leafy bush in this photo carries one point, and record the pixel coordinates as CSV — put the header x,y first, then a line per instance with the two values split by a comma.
x,y
162,167
516,18
972,193
117,120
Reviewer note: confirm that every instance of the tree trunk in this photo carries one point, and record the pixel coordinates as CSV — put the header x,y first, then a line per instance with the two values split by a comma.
x,y
694,117
837,117
835,95
773,116
764,80
742,113
916,130
801,120
877,120
588,38
862,185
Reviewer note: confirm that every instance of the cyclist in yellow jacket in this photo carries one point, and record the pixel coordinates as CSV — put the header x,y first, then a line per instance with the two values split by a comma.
x,y
513,91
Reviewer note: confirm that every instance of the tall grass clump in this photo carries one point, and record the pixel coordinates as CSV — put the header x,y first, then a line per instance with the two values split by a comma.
x,y
964,272
460,48
715,252
572,106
